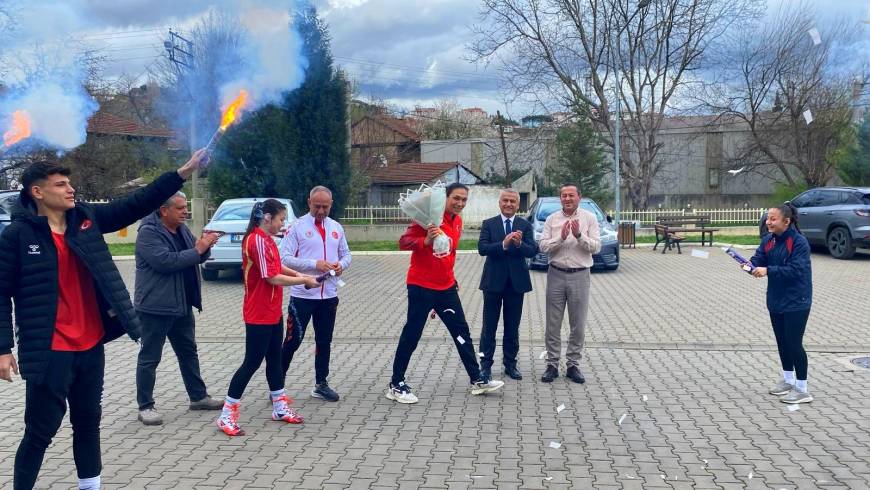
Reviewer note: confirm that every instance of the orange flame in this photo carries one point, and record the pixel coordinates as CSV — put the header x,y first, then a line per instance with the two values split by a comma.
x,y
230,113
20,128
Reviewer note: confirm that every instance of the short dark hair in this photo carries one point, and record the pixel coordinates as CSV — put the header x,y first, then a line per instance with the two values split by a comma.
x,y
41,170
456,185
569,184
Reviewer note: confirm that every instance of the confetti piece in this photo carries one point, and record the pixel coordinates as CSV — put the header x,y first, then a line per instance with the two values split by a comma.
x,y
663,477
808,116
644,398
630,477
814,34
548,478
460,339
737,170
480,355
560,408
794,408
450,310
621,419
543,355
750,475
341,283
700,254
555,445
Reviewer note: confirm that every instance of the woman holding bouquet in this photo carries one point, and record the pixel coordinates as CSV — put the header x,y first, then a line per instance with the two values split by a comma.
x,y
432,286
784,258
264,277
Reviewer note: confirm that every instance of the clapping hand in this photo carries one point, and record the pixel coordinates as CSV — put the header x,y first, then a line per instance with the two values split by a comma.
x,y
566,229
575,228
517,238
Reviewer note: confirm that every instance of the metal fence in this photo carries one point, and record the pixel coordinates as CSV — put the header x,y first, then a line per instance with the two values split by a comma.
x,y
733,216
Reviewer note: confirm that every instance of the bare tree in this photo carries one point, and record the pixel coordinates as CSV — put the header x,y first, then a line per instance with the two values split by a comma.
x,y
449,120
569,51
795,96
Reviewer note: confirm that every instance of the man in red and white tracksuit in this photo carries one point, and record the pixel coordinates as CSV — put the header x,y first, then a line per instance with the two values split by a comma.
x,y
315,244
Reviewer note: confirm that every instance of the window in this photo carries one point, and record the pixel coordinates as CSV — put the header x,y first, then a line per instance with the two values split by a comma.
x,y
829,198
806,199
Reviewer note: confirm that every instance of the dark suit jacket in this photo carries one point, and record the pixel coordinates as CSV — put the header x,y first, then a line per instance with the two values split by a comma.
x,y
502,264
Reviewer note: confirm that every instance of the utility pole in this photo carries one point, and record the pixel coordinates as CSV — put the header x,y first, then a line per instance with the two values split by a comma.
x,y
507,167
180,51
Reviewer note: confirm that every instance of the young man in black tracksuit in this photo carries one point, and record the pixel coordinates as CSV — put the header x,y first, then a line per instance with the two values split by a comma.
x,y
69,300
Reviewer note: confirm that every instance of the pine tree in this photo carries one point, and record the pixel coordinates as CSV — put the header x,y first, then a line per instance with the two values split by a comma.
x,y
854,169
580,160
286,150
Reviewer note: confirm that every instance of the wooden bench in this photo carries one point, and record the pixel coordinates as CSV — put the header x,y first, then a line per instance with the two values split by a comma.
x,y
672,229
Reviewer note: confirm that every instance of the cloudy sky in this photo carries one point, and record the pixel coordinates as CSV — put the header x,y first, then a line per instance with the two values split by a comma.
x,y
407,52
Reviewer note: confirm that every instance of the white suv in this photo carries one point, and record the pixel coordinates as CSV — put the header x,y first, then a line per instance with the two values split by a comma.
x,y
232,218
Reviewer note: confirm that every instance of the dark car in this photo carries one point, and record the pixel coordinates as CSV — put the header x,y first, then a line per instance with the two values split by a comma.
x,y
7,200
607,258
836,218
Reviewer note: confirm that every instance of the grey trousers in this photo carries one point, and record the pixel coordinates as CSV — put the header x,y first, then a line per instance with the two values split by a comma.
x,y
569,289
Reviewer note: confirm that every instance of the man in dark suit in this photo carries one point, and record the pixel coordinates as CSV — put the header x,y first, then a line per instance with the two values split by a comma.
x,y
505,240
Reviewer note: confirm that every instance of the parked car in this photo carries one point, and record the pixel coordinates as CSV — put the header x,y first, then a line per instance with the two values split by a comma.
x,y
231,218
607,258
7,200
836,218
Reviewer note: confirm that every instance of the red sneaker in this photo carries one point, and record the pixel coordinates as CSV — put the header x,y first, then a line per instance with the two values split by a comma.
x,y
230,423
282,411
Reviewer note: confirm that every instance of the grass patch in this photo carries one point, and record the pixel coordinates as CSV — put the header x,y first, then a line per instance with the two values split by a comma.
x,y
732,239
122,248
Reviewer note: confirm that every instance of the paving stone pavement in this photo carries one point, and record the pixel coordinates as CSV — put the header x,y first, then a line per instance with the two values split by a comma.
x,y
690,334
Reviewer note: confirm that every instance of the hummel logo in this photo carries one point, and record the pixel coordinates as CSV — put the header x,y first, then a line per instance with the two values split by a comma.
x,y
34,250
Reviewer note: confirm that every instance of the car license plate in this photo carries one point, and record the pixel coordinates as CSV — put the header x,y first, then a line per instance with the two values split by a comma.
x,y
236,238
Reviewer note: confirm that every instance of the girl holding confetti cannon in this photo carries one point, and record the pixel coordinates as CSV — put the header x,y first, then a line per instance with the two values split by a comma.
x,y
264,277
784,258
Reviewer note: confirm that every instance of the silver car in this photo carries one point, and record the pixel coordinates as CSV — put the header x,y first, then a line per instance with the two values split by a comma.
x,y
231,218
836,218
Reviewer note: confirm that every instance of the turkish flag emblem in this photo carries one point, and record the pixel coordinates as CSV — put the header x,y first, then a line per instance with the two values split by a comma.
x,y
85,225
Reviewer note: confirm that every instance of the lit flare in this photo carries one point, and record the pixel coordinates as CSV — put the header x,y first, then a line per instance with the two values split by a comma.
x,y
20,128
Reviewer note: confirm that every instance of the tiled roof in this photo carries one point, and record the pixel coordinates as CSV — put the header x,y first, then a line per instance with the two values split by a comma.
x,y
399,126
104,123
410,173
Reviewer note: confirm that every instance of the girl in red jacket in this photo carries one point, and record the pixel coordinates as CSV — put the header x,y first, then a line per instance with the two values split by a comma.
x,y
264,278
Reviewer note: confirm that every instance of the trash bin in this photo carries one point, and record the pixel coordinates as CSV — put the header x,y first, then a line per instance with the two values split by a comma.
x,y
626,234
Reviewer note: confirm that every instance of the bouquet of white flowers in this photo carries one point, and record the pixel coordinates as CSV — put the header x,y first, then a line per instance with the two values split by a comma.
x,y
426,207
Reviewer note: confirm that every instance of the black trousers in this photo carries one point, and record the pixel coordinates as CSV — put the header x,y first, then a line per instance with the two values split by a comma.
x,y
509,304
261,342
789,330
299,312
449,309
180,331
71,377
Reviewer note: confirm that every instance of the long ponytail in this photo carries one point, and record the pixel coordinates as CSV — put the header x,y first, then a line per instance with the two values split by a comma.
x,y
260,210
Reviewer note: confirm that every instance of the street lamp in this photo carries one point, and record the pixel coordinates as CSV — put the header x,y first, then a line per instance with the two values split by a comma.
x,y
616,145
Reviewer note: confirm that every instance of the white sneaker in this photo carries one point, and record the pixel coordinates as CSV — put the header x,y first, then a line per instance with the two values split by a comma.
x,y
795,396
149,416
486,386
401,393
781,388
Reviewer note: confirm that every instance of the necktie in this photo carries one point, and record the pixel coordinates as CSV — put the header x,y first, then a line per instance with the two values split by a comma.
x,y
507,227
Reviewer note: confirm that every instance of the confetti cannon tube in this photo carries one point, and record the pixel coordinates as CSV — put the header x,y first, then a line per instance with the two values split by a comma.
x,y
744,263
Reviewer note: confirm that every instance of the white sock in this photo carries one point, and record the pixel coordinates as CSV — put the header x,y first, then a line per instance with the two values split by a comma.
x,y
801,385
89,483
788,376
275,394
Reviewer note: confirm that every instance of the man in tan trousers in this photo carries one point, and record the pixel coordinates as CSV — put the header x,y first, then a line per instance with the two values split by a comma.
x,y
570,237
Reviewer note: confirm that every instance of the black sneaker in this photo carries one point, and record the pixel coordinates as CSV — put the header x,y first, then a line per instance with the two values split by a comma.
x,y
322,390
575,375
550,374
